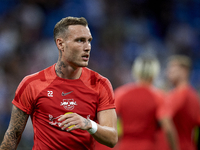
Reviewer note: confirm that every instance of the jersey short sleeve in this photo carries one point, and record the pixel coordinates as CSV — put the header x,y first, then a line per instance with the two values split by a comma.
x,y
119,93
24,96
173,103
28,90
106,95
102,86
160,100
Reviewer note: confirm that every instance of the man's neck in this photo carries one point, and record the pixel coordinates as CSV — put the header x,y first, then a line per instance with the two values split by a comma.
x,y
144,83
67,72
182,83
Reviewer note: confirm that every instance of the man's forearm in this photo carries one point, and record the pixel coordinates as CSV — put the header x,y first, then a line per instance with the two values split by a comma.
x,y
172,140
106,135
16,127
107,128
105,132
10,141
170,132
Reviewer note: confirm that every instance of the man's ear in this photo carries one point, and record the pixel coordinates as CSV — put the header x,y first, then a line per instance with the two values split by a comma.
x,y
60,44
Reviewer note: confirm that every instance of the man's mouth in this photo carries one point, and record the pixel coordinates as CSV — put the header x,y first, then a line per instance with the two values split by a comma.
x,y
85,57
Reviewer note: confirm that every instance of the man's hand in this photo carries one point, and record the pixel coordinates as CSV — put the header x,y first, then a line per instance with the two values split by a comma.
x,y
74,121
106,129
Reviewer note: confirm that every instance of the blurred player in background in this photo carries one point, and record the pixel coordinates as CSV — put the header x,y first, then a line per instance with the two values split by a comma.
x,y
66,99
137,105
181,112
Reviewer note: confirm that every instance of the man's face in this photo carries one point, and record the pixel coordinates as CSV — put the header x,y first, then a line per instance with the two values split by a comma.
x,y
77,46
174,72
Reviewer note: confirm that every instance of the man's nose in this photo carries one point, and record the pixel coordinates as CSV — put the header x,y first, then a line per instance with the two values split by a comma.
x,y
87,46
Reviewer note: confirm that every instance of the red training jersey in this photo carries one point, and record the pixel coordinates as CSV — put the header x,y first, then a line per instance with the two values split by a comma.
x,y
182,104
137,106
45,97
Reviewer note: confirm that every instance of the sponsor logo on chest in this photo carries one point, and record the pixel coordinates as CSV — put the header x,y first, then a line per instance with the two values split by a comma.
x,y
68,104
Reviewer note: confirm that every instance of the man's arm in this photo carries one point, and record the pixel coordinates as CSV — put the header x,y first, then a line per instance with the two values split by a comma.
x,y
106,129
170,132
16,127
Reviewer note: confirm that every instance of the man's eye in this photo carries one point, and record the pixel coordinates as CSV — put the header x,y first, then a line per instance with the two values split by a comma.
x,y
80,40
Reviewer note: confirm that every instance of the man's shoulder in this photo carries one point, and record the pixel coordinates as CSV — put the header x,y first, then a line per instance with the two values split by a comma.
x,y
94,79
125,87
184,91
93,74
42,75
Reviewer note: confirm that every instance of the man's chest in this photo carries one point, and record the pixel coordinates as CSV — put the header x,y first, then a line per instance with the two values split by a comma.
x,y
59,99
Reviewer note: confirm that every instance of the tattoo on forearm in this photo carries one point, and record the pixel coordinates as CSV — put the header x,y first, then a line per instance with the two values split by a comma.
x,y
15,129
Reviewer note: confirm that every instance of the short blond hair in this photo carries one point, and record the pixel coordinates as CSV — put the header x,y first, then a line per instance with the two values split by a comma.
x,y
146,68
62,26
182,60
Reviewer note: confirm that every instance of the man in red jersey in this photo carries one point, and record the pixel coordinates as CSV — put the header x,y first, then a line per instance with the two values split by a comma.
x,y
137,105
66,99
182,110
